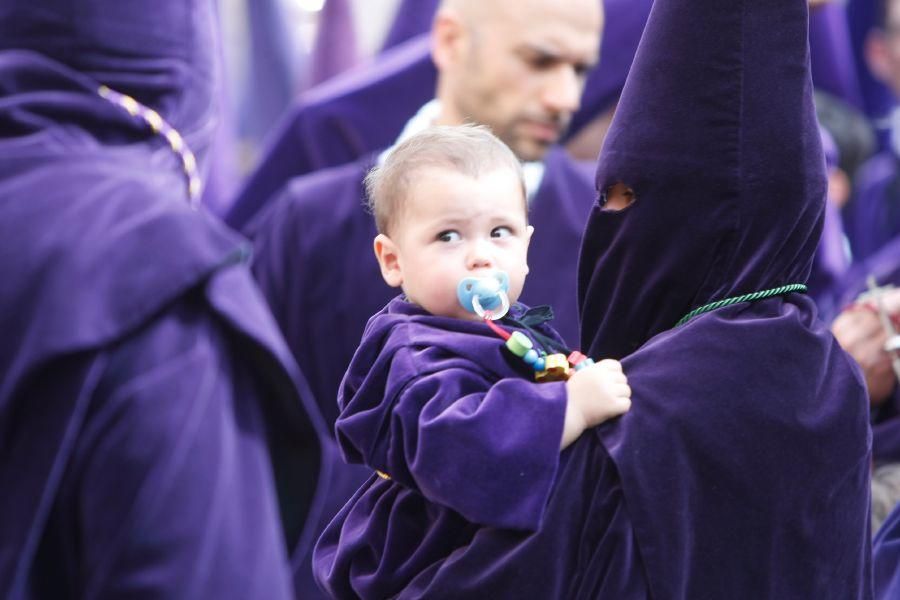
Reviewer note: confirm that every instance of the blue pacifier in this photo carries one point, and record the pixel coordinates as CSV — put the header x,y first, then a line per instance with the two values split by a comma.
x,y
485,296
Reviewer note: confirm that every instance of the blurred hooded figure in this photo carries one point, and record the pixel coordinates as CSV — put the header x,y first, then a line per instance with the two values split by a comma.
x,y
155,436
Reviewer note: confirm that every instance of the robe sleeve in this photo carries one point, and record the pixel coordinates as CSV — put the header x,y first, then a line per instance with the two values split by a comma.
x,y
489,452
170,492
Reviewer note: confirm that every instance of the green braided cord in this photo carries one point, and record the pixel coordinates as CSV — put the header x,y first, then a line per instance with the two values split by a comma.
x,y
785,289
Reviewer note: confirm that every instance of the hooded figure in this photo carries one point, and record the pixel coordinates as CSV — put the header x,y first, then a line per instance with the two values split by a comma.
x,y
156,437
742,469
745,460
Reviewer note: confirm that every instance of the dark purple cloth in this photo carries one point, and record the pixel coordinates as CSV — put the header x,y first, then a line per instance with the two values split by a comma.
x,y
745,458
872,217
339,122
413,18
315,265
157,438
831,54
467,436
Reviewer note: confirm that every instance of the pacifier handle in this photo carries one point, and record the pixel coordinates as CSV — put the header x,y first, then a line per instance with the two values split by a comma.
x,y
492,315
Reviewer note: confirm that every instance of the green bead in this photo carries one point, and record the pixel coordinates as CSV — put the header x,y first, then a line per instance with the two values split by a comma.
x,y
519,344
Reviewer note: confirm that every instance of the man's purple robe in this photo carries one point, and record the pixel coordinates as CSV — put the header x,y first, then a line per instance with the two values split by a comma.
x,y
156,438
742,469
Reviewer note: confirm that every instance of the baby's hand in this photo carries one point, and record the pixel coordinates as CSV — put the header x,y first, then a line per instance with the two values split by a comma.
x,y
596,393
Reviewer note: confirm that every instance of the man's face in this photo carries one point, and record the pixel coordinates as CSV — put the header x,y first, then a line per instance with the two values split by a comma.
x,y
883,49
522,70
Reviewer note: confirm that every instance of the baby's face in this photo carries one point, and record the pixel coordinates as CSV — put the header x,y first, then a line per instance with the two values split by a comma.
x,y
453,226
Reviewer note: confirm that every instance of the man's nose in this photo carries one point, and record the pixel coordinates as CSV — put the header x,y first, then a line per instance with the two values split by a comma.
x,y
562,93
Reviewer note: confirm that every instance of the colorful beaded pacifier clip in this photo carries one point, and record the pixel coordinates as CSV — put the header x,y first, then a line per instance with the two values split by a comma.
x,y
487,298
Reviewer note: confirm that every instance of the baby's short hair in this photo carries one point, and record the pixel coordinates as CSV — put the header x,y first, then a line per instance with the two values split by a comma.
x,y
471,150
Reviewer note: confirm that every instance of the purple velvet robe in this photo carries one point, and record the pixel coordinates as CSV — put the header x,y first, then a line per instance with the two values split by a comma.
x,y
467,436
157,438
333,124
872,217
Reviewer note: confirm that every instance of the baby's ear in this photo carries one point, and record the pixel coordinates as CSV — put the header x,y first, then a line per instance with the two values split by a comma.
x,y
389,260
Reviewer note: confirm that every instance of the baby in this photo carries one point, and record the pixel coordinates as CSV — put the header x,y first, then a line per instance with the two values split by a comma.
x,y
447,413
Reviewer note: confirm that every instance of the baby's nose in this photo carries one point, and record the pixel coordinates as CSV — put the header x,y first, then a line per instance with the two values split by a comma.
x,y
479,256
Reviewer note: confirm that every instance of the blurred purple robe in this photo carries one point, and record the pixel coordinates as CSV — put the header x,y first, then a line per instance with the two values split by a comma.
x,y
872,217
742,469
157,440
467,436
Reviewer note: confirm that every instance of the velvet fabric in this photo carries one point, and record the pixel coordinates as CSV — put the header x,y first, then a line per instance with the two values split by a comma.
x,y
315,265
333,124
157,438
872,217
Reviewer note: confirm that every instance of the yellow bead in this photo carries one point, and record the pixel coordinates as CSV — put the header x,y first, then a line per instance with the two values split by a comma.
x,y
556,368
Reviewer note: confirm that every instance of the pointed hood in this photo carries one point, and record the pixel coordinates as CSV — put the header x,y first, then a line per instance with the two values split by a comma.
x,y
164,54
717,136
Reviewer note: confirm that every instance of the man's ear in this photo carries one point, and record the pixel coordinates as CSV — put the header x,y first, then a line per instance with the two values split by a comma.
x,y
447,33
389,260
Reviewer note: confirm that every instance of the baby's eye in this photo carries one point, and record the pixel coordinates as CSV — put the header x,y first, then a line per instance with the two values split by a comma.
x,y
501,232
448,236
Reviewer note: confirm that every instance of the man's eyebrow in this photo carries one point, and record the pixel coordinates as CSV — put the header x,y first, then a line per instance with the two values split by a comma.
x,y
553,52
